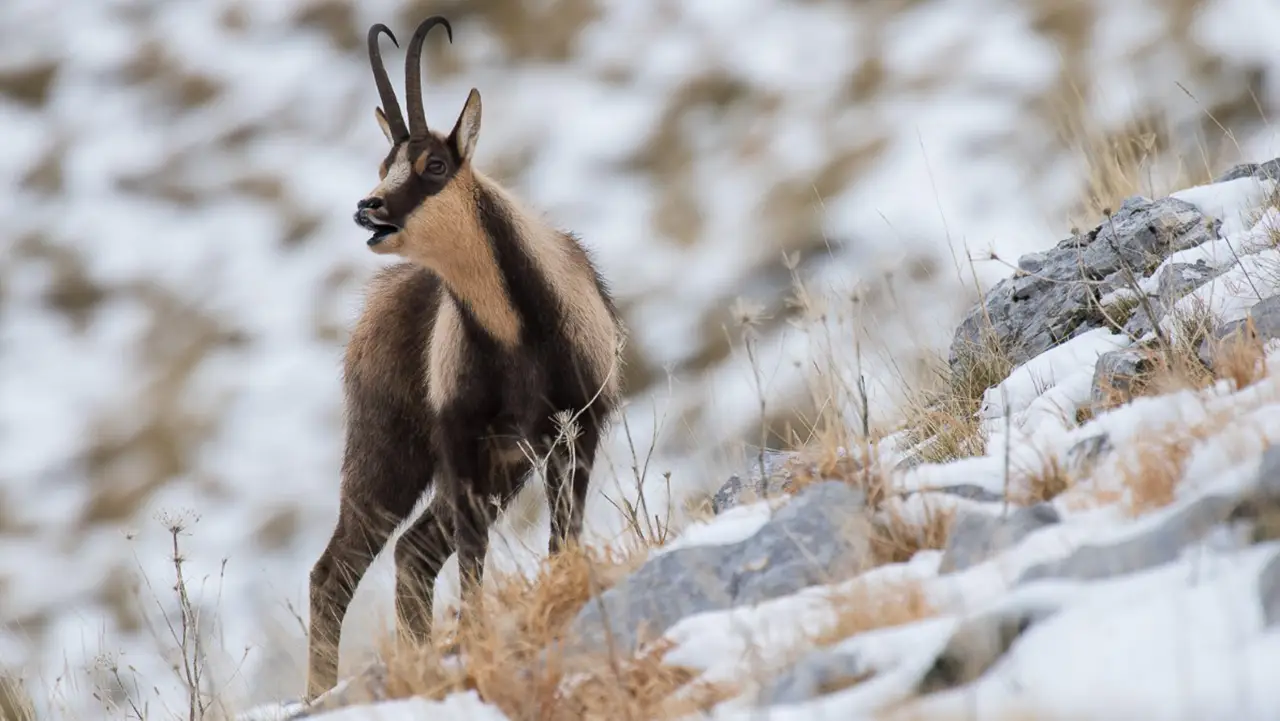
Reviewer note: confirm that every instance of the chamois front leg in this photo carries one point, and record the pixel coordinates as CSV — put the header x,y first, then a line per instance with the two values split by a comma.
x,y
466,492
386,468
568,479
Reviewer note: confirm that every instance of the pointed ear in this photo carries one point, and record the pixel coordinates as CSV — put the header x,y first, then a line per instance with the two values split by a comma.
x,y
467,130
382,123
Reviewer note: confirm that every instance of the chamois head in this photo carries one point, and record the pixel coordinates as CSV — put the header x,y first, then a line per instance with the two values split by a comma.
x,y
419,177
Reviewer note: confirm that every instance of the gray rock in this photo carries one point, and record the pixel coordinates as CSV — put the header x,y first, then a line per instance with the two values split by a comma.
x,y
1173,282
773,482
1260,505
817,673
821,536
1115,373
1264,317
1086,452
1268,170
971,491
1178,279
1157,546
1269,591
1139,325
1055,296
1268,483
977,535
1243,170
979,642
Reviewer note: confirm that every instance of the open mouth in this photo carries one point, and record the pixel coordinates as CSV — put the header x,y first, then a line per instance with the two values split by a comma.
x,y
380,229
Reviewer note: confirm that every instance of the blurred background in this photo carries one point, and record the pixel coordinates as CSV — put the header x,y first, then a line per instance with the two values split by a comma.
x,y
782,193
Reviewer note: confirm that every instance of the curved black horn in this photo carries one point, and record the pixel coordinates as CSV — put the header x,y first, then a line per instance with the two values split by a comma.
x,y
413,74
390,106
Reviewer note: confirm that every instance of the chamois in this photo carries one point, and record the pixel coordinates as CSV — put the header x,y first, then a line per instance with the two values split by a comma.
x,y
475,349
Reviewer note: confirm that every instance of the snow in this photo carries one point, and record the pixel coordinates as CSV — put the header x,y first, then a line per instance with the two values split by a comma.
x,y
732,526
1062,364
1183,639
1229,296
271,712
1229,202
459,706
947,171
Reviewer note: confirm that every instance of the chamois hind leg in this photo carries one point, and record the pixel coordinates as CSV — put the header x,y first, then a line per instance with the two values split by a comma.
x,y
420,553
422,550
375,499
568,479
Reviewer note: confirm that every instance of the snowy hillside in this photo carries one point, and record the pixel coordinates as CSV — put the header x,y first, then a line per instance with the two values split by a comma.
x,y
1112,552
179,268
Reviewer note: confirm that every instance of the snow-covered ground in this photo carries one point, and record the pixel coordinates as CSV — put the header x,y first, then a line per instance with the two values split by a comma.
x,y
179,267
1192,636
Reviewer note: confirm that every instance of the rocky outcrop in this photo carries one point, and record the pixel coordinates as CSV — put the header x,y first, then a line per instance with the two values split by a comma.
x,y
978,535
1055,295
767,477
820,536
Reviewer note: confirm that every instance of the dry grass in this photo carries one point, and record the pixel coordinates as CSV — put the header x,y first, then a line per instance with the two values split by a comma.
x,y
1238,357
1142,157
15,703
1193,356
941,420
871,605
897,537
1044,483
503,649
1153,469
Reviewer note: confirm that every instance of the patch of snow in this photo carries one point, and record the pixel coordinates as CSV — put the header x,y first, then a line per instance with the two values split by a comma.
x,y
1186,638
464,706
1062,363
272,712
1229,296
732,526
740,643
1231,202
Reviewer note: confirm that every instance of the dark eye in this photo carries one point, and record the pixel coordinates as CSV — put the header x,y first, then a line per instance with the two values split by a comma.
x,y
435,166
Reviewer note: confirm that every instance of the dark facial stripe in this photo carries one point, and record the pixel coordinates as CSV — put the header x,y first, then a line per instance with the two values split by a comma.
x,y
403,200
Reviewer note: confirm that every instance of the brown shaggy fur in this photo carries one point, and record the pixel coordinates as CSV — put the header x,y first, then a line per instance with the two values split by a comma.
x,y
456,370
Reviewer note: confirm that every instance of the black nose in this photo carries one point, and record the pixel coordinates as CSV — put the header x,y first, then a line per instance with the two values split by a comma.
x,y
369,204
